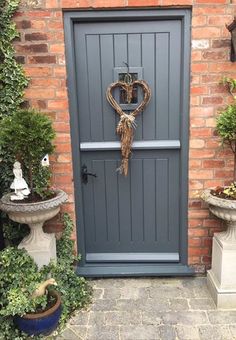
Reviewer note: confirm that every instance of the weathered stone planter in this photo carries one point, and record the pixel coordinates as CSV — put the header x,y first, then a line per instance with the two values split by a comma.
x,y
41,246
221,278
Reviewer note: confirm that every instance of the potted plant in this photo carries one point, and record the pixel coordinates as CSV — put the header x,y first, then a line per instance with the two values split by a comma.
x,y
26,136
26,294
222,203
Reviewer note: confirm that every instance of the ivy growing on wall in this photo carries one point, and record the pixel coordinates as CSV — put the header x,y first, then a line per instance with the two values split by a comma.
x,y
12,77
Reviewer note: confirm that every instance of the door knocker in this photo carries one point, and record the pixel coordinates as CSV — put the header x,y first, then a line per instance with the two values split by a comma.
x,y
126,125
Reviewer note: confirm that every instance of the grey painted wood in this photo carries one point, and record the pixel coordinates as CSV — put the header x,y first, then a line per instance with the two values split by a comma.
x,y
145,212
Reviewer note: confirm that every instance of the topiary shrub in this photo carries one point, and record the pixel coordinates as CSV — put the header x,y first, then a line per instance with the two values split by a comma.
x,y
27,135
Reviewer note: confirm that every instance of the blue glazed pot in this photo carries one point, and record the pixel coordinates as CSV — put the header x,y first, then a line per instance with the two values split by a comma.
x,y
41,323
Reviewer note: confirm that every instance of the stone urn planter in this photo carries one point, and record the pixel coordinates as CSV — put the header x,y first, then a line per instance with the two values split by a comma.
x,y
221,278
41,246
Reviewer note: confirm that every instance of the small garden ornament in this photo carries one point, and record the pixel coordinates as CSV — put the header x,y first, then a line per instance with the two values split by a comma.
x,y
19,184
127,124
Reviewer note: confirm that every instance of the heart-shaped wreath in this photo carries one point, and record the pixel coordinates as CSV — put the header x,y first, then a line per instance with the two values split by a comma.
x,y
126,125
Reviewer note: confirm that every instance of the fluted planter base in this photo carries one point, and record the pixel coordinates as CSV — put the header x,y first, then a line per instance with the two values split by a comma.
x,y
221,278
39,245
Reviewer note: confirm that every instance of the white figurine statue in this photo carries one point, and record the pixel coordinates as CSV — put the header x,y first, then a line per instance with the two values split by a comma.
x,y
19,184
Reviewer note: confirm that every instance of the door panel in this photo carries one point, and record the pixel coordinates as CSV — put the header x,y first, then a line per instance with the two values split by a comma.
x,y
138,220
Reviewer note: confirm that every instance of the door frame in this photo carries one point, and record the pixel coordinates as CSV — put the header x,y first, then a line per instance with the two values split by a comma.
x,y
132,269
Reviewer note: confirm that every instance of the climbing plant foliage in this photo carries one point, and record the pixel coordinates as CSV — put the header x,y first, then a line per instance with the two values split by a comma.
x,y
12,77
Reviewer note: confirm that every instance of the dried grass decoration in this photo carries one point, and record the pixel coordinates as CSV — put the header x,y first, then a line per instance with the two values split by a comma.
x,y
126,125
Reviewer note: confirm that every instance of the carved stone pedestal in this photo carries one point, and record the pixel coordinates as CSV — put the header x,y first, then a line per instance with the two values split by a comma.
x,y
221,278
41,246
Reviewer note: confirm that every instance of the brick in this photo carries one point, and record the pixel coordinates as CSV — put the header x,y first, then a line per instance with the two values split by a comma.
x,y
199,233
35,36
51,4
201,132
58,104
39,93
40,104
215,55
198,89
57,48
207,32
62,148
211,9
195,185
61,126
222,67
221,43
23,24
59,71
176,2
199,67
211,78
196,55
39,14
38,24
20,59
197,122
49,82
212,164
211,1
55,24
200,44
195,163
195,242
195,223
47,59
210,122
109,3
197,143
32,48
217,20
202,153
143,2
224,173
38,71
199,20
202,111
212,100
200,174
75,3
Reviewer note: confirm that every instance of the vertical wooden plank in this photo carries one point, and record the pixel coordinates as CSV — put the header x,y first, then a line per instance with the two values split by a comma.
x,y
120,49
149,65
100,215
175,80
136,178
162,86
135,59
94,79
162,199
112,204
81,68
107,65
149,200
125,218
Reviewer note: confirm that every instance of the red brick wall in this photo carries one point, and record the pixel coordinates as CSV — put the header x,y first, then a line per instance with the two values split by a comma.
x,y
41,50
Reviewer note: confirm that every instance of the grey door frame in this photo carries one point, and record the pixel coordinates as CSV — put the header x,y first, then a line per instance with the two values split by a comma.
x,y
132,269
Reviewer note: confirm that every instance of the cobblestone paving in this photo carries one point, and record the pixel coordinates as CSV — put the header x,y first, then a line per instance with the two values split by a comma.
x,y
151,308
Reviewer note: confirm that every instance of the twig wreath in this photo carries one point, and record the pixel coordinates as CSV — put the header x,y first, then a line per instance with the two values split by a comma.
x,y
126,125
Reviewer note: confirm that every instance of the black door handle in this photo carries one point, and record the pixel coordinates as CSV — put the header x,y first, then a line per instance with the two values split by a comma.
x,y
85,174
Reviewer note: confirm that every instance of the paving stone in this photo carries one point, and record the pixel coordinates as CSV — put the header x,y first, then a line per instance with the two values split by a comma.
x,y
112,293
133,293
97,318
68,334
222,317
150,318
215,332
80,318
178,304
139,282
123,318
98,293
167,292
80,331
167,332
147,332
108,283
187,333
185,318
233,330
103,333
203,304
104,305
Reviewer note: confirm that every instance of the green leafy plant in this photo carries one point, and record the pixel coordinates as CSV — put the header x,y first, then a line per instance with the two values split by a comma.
x,y
26,136
226,121
12,77
19,278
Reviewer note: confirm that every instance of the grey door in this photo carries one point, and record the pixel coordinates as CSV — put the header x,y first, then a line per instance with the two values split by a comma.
x,y
138,221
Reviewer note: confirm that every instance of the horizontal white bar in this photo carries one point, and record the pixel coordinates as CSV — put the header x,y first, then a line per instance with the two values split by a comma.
x,y
138,145
132,257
